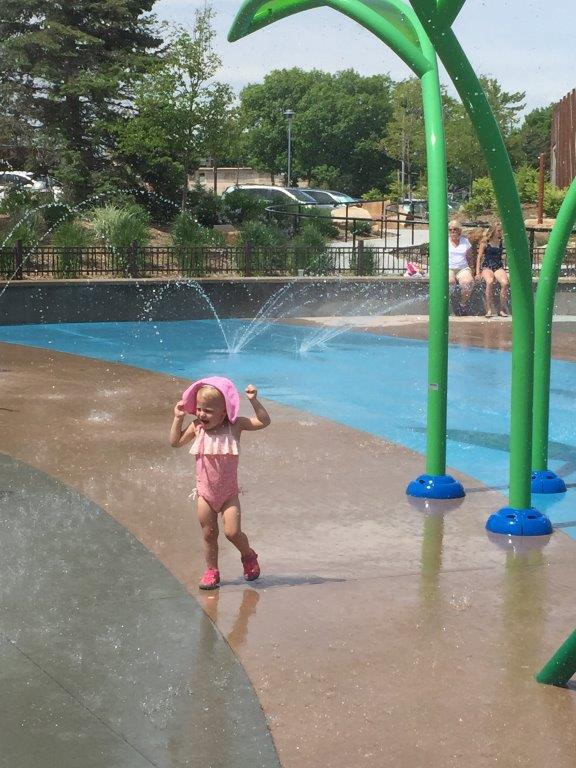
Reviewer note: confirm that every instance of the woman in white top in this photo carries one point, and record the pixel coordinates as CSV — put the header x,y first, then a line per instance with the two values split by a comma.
x,y
459,272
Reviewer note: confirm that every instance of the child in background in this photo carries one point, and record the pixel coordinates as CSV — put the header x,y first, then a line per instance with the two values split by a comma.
x,y
415,269
490,268
216,434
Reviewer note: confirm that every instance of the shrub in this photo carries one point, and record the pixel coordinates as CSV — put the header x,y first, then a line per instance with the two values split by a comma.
x,y
261,233
553,199
186,231
239,207
310,251
205,206
269,241
70,236
369,263
322,220
24,224
527,181
373,195
190,239
57,213
361,227
119,227
482,198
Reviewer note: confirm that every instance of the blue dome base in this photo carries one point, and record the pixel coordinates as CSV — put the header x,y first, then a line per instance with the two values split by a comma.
x,y
435,487
519,522
546,481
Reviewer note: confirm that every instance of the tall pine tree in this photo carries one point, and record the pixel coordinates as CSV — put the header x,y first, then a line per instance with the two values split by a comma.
x,y
66,69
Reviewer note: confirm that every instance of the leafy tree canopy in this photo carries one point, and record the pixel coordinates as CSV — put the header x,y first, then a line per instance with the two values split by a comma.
x,y
181,113
337,128
67,70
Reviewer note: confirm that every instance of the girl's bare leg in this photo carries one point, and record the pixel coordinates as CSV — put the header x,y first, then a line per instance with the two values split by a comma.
x,y
502,278
466,282
233,526
209,521
488,277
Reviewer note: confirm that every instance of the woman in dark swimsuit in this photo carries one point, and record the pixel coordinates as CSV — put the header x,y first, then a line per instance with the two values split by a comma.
x,y
490,268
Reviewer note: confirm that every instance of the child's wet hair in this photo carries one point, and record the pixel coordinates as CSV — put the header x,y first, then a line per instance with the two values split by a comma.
x,y
210,393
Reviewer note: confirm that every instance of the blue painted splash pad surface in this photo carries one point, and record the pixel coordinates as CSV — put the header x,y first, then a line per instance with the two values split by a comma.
x,y
371,382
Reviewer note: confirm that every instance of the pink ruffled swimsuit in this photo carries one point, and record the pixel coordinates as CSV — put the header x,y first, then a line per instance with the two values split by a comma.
x,y
217,454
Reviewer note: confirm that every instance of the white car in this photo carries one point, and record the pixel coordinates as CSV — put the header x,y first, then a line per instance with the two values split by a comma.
x,y
33,182
342,205
273,195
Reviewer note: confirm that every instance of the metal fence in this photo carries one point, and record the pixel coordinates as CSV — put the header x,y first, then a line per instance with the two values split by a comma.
x,y
360,259
205,261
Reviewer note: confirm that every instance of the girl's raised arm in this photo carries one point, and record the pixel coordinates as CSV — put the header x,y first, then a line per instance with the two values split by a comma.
x,y
261,416
179,436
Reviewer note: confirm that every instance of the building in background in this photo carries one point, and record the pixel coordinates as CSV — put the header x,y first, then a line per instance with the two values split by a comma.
x,y
226,177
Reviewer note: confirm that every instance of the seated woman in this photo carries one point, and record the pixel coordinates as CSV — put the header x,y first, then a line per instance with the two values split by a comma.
x,y
490,267
459,272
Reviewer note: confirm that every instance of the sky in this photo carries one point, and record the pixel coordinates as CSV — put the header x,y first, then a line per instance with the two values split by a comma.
x,y
527,45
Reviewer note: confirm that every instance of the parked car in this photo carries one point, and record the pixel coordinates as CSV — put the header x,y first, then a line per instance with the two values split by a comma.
x,y
417,208
342,205
330,197
273,195
32,182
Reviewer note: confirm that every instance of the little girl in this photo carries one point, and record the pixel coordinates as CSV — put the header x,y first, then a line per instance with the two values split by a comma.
x,y
490,267
216,433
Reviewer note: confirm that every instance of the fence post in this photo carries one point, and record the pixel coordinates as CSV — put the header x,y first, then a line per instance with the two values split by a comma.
x,y
18,260
360,258
132,262
248,260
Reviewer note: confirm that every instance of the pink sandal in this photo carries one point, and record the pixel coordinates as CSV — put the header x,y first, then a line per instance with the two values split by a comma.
x,y
210,579
251,567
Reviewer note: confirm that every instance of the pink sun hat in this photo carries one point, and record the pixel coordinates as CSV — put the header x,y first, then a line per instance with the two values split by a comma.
x,y
223,385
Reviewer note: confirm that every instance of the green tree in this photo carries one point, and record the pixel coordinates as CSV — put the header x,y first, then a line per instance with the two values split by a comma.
x,y
405,140
221,129
177,105
339,128
532,139
464,157
66,72
339,122
262,108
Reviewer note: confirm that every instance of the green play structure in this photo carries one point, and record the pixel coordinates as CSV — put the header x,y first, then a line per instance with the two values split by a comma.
x,y
417,32
396,24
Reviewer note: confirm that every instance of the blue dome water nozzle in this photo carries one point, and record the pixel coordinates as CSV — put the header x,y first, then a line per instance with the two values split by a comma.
x,y
519,522
435,487
546,481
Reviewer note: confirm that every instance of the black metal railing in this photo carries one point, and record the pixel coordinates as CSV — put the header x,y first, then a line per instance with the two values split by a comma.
x,y
203,261
359,259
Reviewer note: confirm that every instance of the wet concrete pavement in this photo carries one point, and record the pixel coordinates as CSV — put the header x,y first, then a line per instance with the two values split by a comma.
x,y
381,632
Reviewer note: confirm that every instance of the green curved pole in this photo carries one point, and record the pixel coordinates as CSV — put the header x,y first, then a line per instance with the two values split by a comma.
x,y
562,666
494,150
397,26
438,281
544,310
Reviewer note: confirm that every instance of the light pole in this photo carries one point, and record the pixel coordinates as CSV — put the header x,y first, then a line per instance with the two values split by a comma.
x,y
289,114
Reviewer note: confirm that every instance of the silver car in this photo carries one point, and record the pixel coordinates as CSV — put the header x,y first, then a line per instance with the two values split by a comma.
x,y
273,195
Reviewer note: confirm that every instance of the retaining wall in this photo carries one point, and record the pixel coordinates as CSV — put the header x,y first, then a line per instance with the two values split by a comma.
x,y
74,301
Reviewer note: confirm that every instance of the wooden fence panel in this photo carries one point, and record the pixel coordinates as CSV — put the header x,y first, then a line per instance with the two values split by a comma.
x,y
563,141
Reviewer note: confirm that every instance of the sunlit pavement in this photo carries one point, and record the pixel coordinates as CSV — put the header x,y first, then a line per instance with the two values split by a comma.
x,y
381,632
